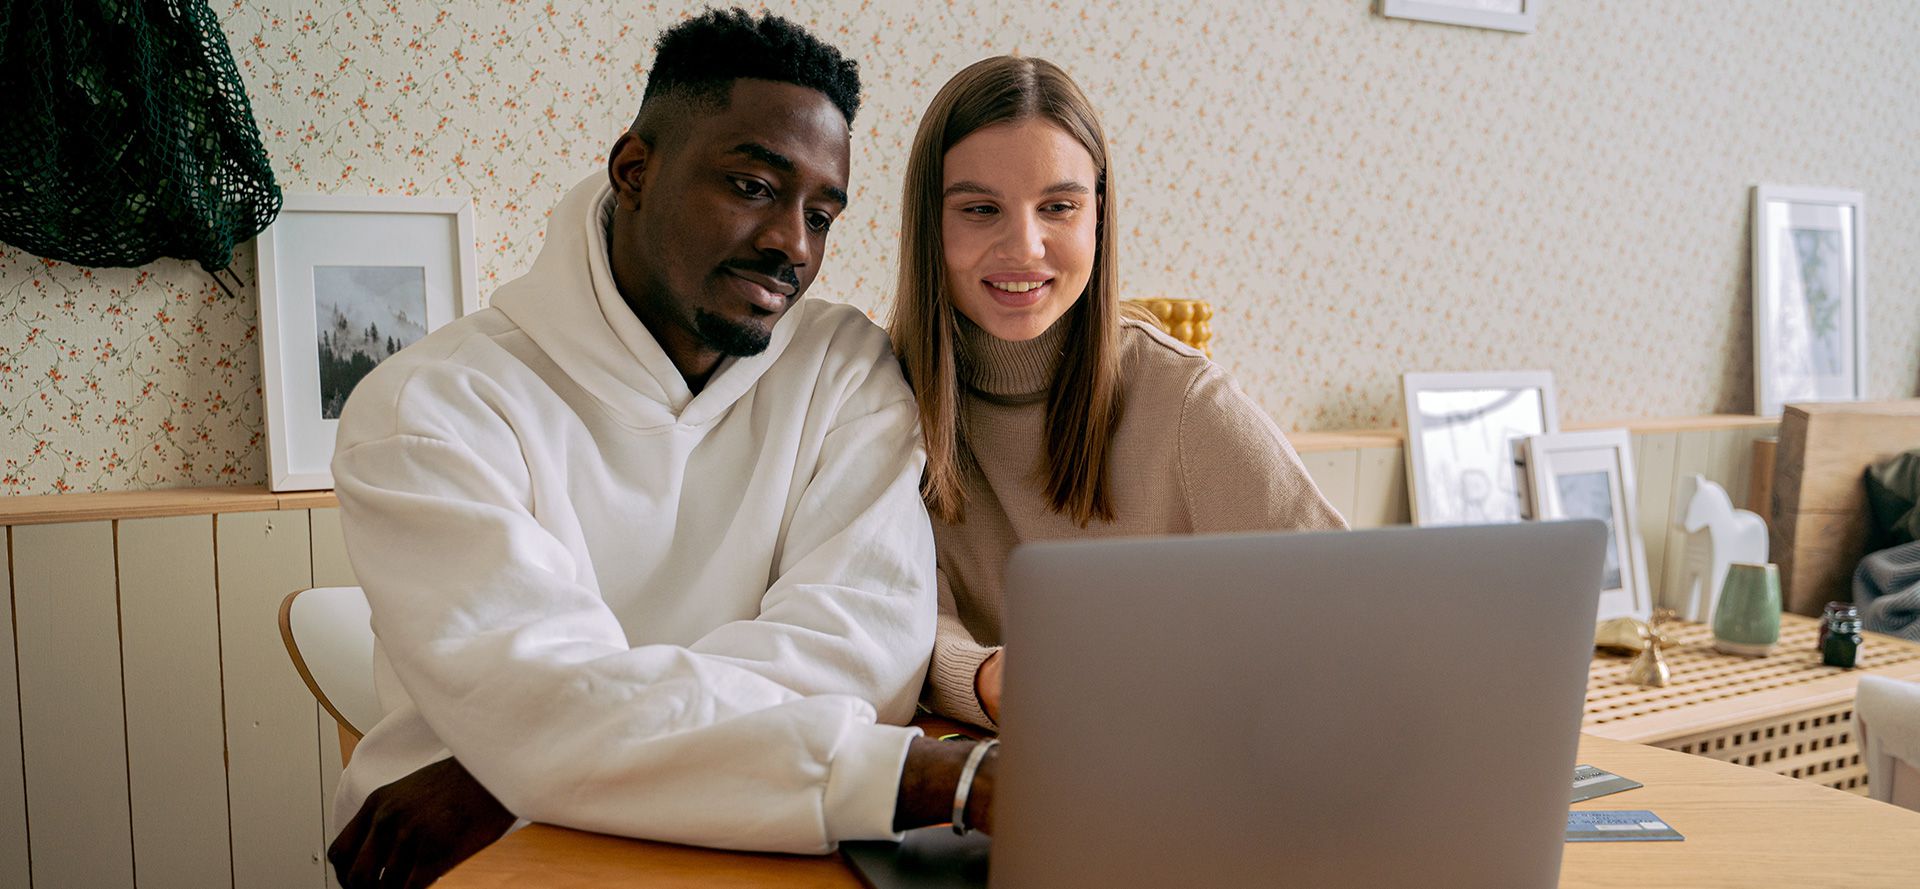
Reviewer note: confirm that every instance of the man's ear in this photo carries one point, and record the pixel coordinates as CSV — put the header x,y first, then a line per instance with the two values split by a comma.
x,y
627,169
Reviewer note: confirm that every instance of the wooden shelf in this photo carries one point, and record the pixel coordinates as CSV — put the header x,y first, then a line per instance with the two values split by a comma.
x,y
1344,439
52,508
41,509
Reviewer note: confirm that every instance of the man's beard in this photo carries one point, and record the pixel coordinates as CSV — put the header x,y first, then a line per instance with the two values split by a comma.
x,y
731,338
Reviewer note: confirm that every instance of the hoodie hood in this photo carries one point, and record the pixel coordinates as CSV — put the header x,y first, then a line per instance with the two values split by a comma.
x,y
570,307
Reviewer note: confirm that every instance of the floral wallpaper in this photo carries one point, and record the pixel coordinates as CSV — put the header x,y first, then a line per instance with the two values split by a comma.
x,y
1357,196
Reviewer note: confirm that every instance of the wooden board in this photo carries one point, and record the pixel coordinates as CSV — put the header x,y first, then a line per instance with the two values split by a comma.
x,y
1711,691
1380,495
1821,527
13,788
1653,472
330,564
73,732
57,508
1335,473
176,746
273,767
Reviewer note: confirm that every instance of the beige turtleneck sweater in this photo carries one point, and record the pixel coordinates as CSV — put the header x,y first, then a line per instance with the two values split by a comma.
x,y
1192,455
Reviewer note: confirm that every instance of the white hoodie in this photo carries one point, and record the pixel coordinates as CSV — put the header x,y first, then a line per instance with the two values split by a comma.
x,y
628,608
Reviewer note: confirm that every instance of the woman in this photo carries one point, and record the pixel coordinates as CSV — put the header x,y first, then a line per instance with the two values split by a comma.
x,y
1047,414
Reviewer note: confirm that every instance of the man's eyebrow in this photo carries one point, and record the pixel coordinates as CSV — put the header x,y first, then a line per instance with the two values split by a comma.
x,y
968,186
1070,186
765,155
784,164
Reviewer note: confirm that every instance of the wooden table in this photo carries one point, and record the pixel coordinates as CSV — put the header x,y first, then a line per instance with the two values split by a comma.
x,y
1785,713
1744,827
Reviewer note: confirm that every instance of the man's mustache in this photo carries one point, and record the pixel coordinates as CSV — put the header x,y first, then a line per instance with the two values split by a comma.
x,y
774,269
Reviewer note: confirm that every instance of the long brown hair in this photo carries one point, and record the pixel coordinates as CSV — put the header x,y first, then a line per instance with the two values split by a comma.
x,y
1083,406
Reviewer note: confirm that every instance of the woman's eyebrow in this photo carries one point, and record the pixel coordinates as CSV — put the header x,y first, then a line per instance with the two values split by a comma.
x,y
967,186
1070,186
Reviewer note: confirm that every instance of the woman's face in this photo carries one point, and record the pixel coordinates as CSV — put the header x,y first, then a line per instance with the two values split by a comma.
x,y
1019,222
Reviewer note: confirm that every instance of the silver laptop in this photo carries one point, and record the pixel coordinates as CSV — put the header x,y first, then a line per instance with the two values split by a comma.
x,y
1398,707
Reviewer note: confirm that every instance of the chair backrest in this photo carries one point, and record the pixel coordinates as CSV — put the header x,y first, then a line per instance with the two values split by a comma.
x,y
1887,718
328,633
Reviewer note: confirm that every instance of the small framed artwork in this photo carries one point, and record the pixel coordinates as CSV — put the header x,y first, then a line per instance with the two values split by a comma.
x,y
1809,297
1501,15
1589,475
346,281
1464,435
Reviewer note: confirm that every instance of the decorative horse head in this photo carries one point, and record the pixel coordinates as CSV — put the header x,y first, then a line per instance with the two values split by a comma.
x,y
1710,506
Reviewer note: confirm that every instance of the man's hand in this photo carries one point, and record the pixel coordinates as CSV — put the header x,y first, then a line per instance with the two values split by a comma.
x,y
930,779
986,685
411,832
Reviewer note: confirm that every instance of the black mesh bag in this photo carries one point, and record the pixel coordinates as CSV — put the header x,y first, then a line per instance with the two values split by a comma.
x,y
126,134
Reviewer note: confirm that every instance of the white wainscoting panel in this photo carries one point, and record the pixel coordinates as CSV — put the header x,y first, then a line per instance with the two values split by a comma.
x,y
13,788
272,737
72,722
176,743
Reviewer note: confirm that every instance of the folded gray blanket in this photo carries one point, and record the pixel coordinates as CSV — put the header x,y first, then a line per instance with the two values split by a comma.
x,y
1886,588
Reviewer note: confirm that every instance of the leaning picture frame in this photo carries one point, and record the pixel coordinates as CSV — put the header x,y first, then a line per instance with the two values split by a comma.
x,y
1589,475
1501,15
346,281
1464,433
1809,296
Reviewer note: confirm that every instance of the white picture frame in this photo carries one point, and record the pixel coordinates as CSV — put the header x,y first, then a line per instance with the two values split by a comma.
x,y
1809,296
1501,15
1577,475
358,260
1464,434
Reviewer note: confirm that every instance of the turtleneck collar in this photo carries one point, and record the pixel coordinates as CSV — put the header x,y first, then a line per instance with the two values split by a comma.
x,y
1020,371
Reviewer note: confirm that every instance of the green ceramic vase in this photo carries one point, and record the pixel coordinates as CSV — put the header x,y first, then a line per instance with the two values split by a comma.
x,y
1746,621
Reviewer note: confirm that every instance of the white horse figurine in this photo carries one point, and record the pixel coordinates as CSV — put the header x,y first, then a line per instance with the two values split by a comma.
x,y
1717,536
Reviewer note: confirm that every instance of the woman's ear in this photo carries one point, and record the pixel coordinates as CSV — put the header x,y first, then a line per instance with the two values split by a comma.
x,y
627,169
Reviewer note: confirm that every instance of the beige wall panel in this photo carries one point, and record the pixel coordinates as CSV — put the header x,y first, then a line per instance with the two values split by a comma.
x,y
13,788
1334,473
1732,455
1653,474
273,754
1380,489
176,743
330,565
73,733
1693,454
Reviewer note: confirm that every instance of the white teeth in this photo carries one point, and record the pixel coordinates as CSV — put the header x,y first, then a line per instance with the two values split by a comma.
x,y
1016,286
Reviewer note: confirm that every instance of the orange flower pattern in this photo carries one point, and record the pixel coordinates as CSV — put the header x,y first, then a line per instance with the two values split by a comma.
x,y
1357,196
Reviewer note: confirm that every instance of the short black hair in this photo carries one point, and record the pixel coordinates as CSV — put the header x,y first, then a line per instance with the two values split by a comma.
x,y
699,59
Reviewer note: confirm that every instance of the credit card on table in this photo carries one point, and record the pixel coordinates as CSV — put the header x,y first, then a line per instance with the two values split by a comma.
x,y
1589,782
1619,826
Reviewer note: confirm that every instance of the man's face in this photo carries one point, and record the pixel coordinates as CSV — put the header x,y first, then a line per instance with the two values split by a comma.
x,y
718,233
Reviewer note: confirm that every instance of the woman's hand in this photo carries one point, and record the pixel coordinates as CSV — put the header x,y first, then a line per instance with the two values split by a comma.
x,y
986,685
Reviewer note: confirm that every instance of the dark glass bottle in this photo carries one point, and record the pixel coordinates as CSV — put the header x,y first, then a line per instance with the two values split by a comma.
x,y
1842,645
1826,622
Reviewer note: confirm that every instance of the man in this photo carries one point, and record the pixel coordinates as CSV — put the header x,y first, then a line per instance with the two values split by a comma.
x,y
643,539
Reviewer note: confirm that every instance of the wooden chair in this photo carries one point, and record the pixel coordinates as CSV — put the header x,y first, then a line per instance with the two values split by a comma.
x,y
1188,320
1890,710
329,637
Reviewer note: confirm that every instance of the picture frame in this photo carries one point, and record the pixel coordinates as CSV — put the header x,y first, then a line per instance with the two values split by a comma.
x,y
1809,296
334,269
1464,438
1576,475
1518,16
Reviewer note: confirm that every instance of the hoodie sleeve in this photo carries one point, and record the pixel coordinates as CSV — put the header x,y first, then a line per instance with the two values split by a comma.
x,y
761,735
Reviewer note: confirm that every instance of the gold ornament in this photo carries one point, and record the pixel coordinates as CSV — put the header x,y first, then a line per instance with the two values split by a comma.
x,y
1650,668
